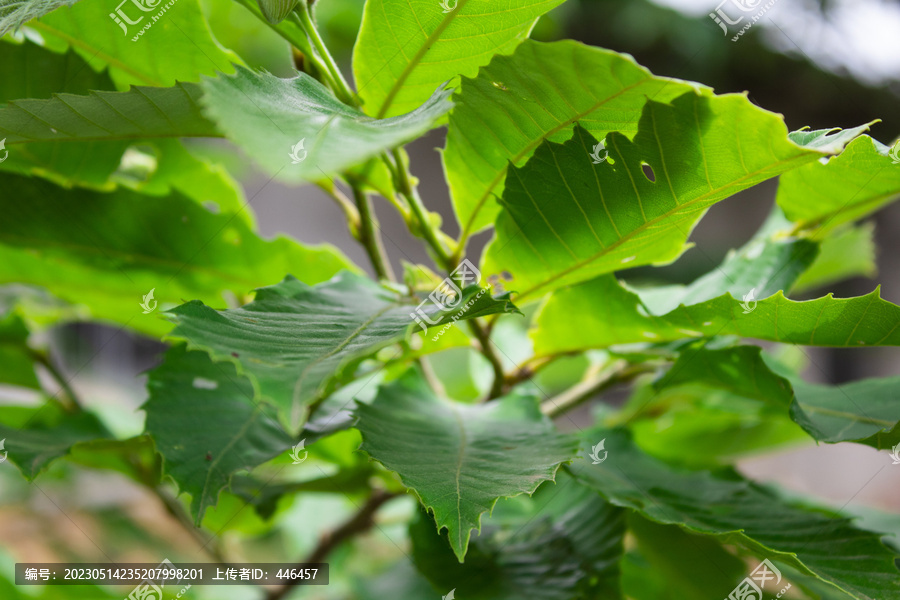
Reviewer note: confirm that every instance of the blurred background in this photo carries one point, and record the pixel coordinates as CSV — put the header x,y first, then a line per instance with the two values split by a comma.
x,y
820,63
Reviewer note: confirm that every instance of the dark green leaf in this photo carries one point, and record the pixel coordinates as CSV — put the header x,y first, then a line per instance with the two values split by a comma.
x,y
293,338
35,437
737,511
207,426
459,459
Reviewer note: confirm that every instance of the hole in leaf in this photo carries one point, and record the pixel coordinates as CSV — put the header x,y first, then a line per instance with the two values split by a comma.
x,y
205,384
648,172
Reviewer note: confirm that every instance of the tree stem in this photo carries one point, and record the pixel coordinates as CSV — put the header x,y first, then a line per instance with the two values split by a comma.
x,y
342,89
487,350
614,373
368,234
362,521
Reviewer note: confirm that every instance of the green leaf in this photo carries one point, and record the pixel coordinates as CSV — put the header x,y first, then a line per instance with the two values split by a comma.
x,y
174,167
699,426
177,47
865,411
32,71
167,243
282,121
207,426
459,459
142,112
16,360
679,558
407,48
764,264
572,321
35,437
842,255
849,186
700,149
539,93
564,545
740,370
736,511
293,339
15,13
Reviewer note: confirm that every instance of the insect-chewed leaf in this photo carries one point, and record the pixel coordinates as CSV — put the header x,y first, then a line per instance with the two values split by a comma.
x,y
567,219
293,338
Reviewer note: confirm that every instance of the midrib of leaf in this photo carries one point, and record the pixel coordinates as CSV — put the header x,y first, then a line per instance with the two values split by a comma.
x,y
807,408
107,58
466,231
343,344
419,55
221,454
824,219
459,462
653,221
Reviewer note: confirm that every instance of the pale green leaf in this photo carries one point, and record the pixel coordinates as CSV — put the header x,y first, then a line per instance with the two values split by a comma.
x,y
293,339
567,220
62,240
572,320
764,265
857,182
35,437
296,129
407,48
16,359
842,255
188,393
458,458
679,558
176,47
737,511
539,93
